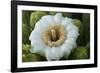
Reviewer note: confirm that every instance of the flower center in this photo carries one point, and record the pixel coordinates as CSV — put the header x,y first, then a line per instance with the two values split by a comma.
x,y
54,35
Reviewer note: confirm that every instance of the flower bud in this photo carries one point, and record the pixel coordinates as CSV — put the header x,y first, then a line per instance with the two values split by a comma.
x,y
79,53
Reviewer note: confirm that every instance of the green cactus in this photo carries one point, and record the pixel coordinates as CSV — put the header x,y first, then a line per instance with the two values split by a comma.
x,y
84,36
26,49
79,53
27,56
25,34
31,57
26,17
77,23
86,27
66,14
52,13
26,26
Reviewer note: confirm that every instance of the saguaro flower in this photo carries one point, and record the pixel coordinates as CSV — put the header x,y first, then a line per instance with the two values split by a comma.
x,y
54,37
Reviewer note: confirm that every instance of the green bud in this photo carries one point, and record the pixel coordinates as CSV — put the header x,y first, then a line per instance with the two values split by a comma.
x,y
52,13
77,23
26,48
65,14
79,53
80,26
31,58
35,16
24,59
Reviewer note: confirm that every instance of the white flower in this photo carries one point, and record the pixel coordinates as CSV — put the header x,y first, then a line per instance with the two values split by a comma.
x,y
54,37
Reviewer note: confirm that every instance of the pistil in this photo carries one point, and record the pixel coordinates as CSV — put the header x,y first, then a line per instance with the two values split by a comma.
x,y
53,34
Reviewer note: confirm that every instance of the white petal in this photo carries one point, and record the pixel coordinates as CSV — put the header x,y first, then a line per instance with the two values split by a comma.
x,y
58,18
38,30
49,19
73,34
70,40
75,45
44,22
68,45
38,47
64,22
54,53
41,25
35,35
67,49
71,27
67,21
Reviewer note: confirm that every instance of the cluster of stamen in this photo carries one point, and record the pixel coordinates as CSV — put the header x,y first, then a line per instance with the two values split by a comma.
x,y
54,35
